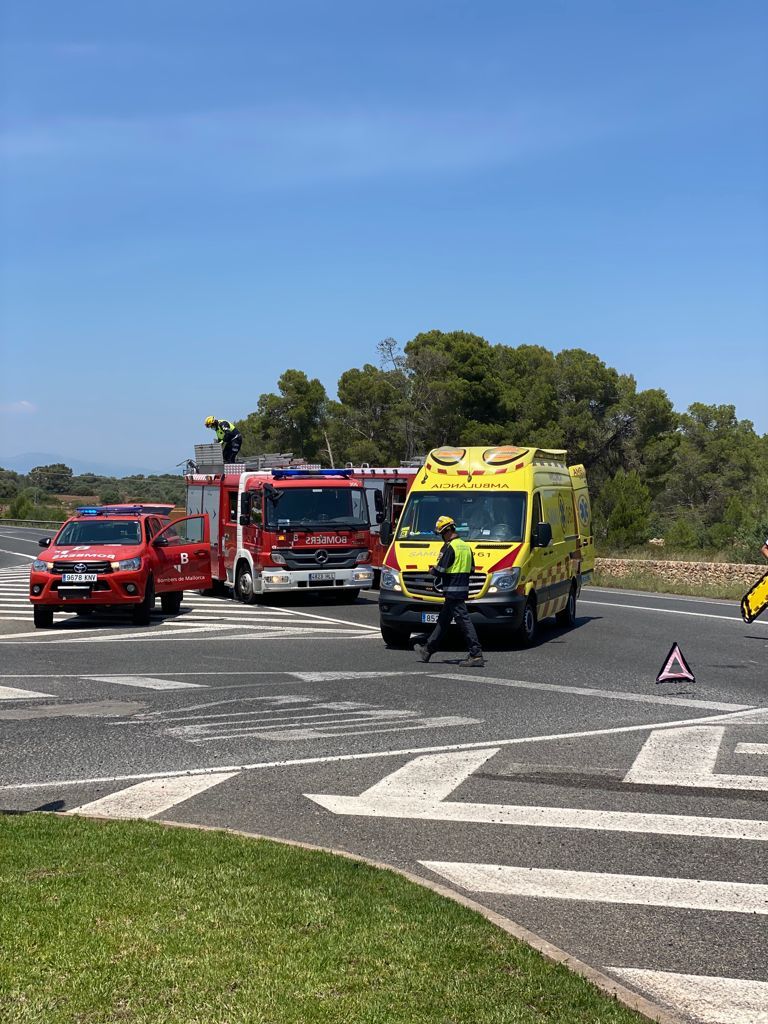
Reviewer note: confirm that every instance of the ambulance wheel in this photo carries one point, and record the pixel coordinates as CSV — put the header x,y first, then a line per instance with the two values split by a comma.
x,y
142,613
348,596
567,617
526,633
43,617
170,603
394,637
244,585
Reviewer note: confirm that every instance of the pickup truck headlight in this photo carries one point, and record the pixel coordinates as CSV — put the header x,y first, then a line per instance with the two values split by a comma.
x,y
390,580
40,566
504,581
128,564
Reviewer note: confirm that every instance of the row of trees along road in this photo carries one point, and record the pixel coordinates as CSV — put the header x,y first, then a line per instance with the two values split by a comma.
x,y
699,479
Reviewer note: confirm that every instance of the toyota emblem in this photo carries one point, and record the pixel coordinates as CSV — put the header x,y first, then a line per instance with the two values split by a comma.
x,y
80,567
321,556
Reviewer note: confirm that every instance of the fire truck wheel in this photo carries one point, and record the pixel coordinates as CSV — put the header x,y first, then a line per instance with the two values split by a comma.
x,y
43,617
348,596
244,584
394,637
142,613
170,603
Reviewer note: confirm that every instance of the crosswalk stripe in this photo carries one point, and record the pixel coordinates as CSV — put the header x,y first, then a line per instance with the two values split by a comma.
x,y
147,799
12,693
704,998
147,682
602,887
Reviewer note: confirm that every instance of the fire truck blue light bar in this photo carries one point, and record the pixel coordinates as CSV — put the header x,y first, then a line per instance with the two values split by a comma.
x,y
287,474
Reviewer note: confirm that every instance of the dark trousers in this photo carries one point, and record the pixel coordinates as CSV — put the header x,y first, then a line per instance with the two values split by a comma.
x,y
231,448
453,609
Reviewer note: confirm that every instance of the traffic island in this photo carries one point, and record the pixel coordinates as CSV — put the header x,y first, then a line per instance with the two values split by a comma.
x,y
106,921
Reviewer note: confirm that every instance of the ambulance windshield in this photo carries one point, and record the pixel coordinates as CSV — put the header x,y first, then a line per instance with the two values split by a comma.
x,y
317,506
479,515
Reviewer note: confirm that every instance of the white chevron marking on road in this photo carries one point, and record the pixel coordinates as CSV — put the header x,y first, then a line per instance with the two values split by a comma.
x,y
687,757
704,998
153,797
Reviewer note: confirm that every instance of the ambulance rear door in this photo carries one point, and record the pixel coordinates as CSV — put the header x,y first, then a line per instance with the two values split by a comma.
x,y
583,508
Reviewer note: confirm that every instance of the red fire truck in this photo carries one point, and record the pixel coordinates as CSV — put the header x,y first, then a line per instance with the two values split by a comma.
x,y
288,529
387,489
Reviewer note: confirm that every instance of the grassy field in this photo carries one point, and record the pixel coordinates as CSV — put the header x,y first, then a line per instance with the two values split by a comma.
x,y
105,922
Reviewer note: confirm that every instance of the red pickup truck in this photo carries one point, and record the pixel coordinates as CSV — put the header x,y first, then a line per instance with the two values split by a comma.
x,y
120,556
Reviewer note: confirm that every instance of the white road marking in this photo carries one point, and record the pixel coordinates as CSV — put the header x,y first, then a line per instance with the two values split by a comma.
x,y
752,748
323,677
19,554
153,797
687,757
590,691
735,718
11,693
704,998
418,790
605,591
599,887
673,611
145,682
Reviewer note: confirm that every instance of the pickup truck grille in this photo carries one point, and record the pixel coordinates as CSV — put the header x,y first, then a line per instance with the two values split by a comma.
x,y
422,584
335,560
60,567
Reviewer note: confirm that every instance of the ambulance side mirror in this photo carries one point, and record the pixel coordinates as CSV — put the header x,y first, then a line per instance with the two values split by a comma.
x,y
542,535
385,533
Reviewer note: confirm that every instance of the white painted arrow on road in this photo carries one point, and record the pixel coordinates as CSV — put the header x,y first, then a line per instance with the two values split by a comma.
x,y
419,790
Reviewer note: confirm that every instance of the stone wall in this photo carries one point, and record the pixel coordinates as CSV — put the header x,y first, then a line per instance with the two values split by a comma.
x,y
692,573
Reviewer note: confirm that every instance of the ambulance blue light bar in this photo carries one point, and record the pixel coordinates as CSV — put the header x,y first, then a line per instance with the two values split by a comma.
x,y
109,510
299,474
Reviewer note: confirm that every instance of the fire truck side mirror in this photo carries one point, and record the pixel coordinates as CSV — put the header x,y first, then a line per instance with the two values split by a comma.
x,y
380,516
378,502
245,508
385,533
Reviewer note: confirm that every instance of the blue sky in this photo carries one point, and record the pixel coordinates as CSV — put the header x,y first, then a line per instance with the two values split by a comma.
x,y
197,195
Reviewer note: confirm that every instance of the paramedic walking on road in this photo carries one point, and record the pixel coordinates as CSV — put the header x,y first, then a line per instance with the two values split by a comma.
x,y
227,435
453,570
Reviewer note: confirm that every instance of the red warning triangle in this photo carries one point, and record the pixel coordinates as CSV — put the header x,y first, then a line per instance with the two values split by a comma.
x,y
675,667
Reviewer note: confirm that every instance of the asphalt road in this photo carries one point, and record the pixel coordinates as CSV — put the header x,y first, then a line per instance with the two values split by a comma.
x,y
625,822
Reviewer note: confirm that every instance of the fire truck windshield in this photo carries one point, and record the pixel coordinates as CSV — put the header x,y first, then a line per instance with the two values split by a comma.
x,y
318,506
100,531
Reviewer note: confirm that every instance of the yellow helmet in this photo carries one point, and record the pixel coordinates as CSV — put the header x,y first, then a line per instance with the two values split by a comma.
x,y
209,421
443,523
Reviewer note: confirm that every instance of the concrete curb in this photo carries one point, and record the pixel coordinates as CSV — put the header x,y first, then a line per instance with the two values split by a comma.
x,y
632,1000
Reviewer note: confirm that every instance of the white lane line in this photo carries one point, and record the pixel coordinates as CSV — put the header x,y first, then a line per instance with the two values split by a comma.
x,y
322,677
672,611
704,998
589,691
752,748
736,718
11,693
687,757
19,554
598,887
153,797
146,682
610,591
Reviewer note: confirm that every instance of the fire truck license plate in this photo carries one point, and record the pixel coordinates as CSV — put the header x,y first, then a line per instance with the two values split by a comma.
x,y
321,577
79,577
429,616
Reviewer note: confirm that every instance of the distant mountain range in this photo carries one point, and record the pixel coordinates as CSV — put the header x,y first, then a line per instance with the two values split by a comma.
x,y
28,460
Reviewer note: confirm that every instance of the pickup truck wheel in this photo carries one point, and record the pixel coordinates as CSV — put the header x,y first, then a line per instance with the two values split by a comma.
x,y
43,617
394,637
526,633
170,603
244,585
142,613
567,617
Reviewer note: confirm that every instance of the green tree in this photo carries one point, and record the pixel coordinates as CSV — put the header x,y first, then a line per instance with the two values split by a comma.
x,y
53,479
622,512
10,485
293,420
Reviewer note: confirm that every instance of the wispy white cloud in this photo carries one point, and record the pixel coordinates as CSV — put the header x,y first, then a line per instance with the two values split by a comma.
x,y
19,408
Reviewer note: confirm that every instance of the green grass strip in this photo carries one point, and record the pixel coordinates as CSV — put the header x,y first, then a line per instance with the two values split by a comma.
x,y
134,922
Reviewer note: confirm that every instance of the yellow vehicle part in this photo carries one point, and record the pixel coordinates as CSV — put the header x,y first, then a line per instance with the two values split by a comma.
x,y
755,601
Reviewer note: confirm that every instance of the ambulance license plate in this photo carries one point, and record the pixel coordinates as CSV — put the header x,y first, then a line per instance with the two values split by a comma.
x,y
79,577
429,616
322,577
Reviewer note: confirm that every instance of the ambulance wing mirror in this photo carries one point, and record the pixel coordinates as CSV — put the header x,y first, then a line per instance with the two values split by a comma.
x,y
385,533
245,508
542,535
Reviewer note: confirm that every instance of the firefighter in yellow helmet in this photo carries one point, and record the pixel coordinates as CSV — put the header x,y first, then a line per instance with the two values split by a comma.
x,y
455,565
227,435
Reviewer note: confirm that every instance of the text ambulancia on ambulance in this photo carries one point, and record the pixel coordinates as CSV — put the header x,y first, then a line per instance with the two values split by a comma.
x,y
527,518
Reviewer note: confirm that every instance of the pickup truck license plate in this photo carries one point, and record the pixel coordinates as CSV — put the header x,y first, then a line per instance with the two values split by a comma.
x,y
322,577
79,577
429,616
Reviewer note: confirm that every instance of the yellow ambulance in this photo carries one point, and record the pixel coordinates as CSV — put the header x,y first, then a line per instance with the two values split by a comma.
x,y
527,517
